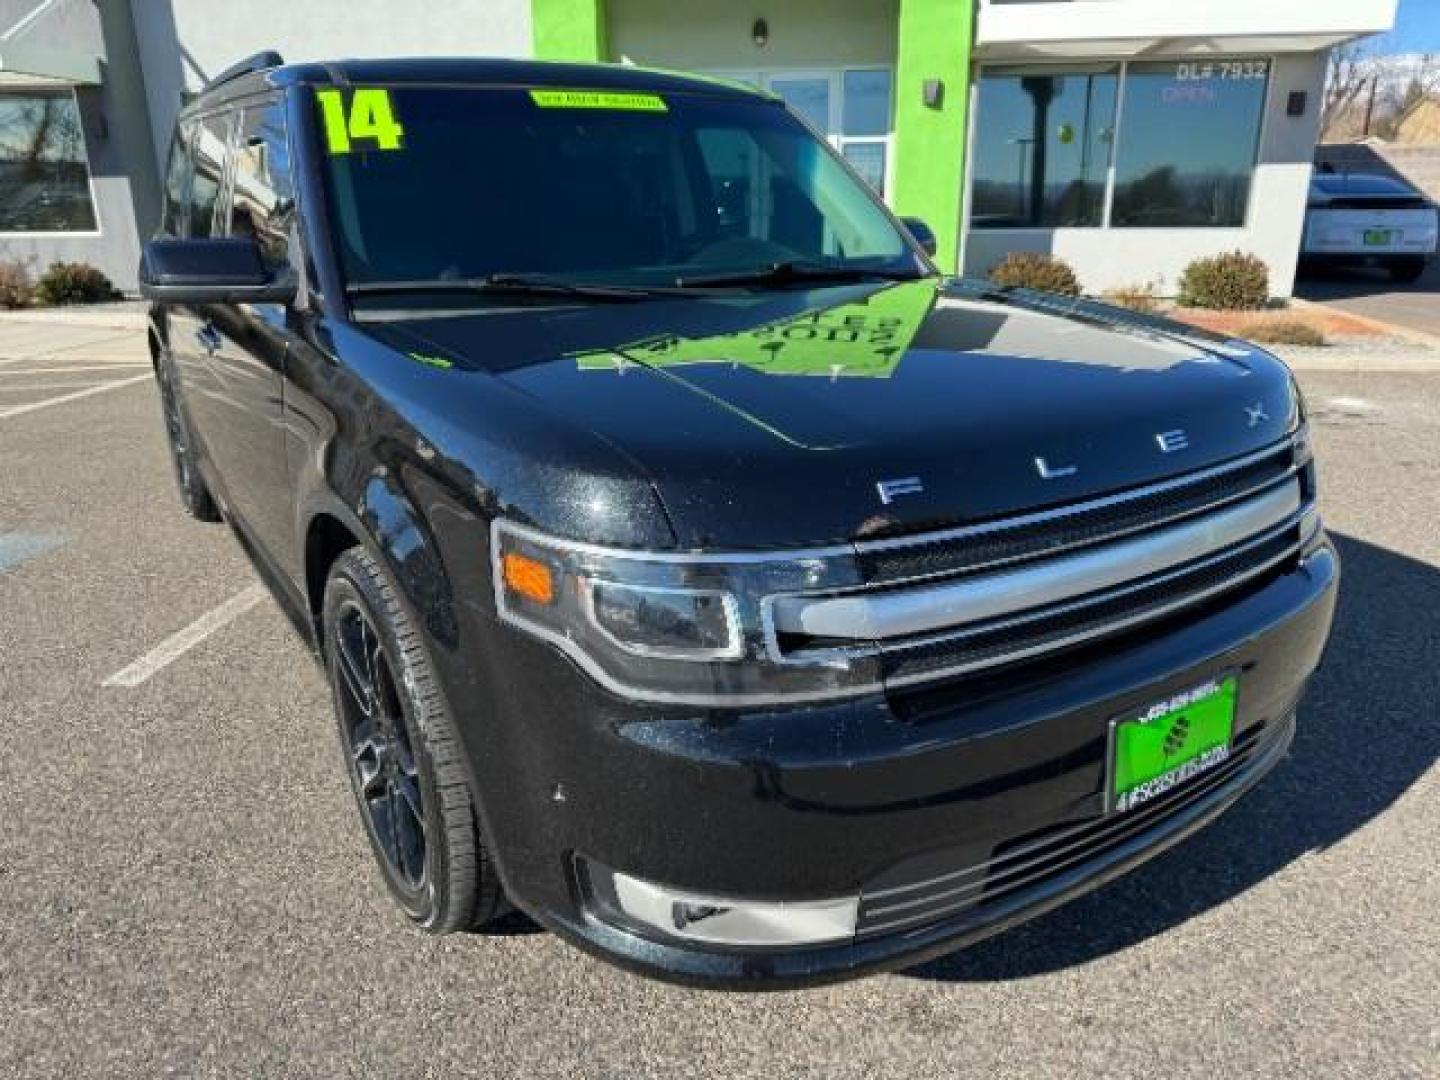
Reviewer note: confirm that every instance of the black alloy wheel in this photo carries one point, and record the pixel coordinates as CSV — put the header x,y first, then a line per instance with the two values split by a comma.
x,y
194,495
404,760
382,757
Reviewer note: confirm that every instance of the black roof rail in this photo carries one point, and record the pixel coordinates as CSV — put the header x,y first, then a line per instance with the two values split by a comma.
x,y
259,62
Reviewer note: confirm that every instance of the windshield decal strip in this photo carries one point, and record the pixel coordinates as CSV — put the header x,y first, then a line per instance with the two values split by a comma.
x,y
598,99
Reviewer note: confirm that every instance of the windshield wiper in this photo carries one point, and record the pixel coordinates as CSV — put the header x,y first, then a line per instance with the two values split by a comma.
x,y
534,284
793,270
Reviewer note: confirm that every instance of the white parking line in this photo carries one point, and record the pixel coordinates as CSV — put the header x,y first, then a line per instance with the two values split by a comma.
x,y
182,641
116,366
33,406
9,388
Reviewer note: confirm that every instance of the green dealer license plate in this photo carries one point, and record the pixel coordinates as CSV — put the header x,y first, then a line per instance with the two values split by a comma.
x,y
1171,742
1377,237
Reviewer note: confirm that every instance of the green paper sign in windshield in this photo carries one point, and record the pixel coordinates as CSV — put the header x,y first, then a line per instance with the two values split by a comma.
x,y
861,339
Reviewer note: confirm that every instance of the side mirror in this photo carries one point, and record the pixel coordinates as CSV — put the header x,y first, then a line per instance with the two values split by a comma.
x,y
921,233
221,271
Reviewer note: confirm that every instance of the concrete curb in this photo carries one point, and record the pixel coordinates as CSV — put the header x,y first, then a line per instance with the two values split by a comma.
x,y
117,316
1354,361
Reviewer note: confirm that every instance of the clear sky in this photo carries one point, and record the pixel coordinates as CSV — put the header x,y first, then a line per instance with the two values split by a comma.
x,y
1417,29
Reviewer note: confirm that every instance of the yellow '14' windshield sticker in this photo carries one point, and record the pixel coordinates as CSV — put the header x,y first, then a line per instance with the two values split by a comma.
x,y
597,99
367,117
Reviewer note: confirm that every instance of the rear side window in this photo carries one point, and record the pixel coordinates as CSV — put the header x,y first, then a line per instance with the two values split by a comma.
x,y
177,173
208,150
262,202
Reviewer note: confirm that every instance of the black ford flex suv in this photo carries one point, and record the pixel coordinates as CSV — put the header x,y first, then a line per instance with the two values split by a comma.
x,y
693,566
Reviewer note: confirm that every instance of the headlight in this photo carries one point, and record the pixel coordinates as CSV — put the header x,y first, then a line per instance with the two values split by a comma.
x,y
673,627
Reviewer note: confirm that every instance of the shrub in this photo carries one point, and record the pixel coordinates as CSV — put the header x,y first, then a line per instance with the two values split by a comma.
x,y
1144,298
1032,270
74,283
1282,332
16,288
1231,282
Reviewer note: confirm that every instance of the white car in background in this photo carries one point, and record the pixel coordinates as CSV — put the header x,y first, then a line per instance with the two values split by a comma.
x,y
1369,220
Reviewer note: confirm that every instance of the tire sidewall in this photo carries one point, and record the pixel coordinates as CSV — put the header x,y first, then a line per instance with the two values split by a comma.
x,y
193,492
427,905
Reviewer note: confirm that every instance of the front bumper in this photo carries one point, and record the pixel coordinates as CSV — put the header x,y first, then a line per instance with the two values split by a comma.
x,y
999,780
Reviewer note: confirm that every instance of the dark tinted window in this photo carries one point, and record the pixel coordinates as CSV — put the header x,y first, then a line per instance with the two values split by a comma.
x,y
1187,145
262,201
1361,184
492,180
208,150
1042,147
44,182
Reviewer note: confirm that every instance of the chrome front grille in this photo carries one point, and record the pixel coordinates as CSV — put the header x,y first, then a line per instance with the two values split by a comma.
x,y
1048,532
956,602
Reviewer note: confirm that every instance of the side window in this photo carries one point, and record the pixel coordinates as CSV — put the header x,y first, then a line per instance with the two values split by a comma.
x,y
208,151
172,220
263,193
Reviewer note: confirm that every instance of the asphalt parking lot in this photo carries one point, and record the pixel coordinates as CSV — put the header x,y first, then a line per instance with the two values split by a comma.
x,y
1370,293
185,888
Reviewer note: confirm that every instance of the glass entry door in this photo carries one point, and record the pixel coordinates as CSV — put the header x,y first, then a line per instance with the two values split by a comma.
x,y
850,107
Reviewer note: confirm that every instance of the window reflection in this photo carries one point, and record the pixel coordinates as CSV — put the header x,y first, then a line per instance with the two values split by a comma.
x,y
1188,142
1183,155
44,180
1042,147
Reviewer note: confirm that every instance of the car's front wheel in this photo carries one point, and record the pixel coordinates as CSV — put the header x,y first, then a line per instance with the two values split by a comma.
x,y
194,495
404,760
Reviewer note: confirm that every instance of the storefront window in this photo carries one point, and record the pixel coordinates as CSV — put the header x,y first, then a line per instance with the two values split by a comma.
x,y
1042,147
1187,142
850,107
865,123
1183,154
44,180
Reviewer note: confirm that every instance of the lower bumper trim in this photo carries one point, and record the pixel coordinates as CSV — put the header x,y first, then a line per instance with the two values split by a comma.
x,y
1028,862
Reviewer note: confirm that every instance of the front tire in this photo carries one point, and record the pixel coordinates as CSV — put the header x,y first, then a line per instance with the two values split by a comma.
x,y
194,495
404,761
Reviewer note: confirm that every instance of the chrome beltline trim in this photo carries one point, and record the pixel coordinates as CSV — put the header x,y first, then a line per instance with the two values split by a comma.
x,y
881,616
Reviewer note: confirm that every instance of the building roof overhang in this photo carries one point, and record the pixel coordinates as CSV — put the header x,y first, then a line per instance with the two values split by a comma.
x,y
1140,48
1051,29
30,65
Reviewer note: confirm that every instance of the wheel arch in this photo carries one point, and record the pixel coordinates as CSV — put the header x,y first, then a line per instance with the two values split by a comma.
x,y
387,522
326,539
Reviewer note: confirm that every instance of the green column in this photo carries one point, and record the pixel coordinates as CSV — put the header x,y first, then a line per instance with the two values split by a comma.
x,y
935,41
568,29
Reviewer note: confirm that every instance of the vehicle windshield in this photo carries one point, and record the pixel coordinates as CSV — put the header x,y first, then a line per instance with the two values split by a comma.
x,y
456,184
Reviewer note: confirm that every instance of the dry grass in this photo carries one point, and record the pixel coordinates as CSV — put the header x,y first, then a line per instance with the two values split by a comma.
x,y
1281,332
1142,298
1327,321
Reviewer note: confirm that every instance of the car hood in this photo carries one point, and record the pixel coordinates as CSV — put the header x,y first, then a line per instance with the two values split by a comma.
x,y
788,417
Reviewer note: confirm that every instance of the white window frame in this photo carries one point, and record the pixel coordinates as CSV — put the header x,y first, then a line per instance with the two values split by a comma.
x,y
21,91
835,121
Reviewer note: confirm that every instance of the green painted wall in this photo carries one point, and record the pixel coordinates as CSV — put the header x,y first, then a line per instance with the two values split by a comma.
x,y
934,43
568,29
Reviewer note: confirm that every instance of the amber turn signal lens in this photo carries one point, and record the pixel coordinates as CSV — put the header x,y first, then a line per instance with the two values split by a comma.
x,y
529,577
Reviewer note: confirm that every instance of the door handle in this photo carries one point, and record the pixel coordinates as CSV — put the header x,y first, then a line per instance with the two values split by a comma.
x,y
208,337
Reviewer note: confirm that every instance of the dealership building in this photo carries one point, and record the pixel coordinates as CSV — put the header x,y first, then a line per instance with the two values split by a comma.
x,y
1125,136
